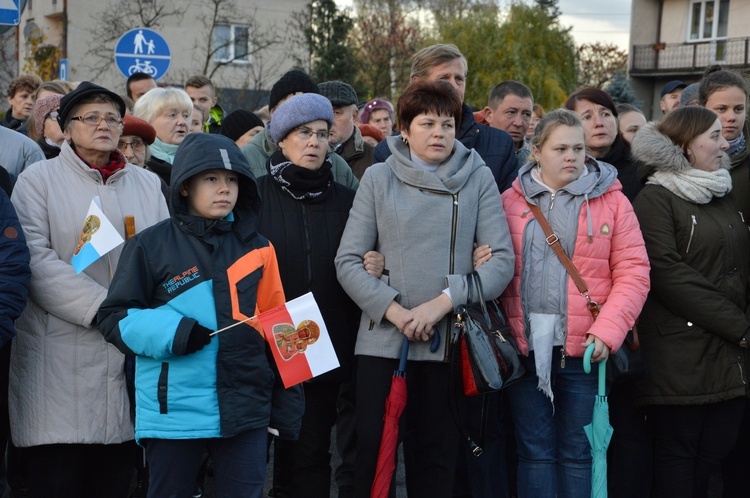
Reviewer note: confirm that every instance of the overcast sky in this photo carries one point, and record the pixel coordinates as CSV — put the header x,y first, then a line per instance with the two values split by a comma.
x,y
597,20
592,20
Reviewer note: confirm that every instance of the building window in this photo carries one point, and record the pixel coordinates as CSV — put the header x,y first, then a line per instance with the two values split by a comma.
x,y
231,43
708,19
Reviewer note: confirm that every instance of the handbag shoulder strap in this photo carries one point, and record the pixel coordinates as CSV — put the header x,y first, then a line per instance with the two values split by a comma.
x,y
554,242
474,284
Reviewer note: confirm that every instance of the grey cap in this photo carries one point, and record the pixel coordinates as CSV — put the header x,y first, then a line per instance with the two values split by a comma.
x,y
297,111
338,92
689,94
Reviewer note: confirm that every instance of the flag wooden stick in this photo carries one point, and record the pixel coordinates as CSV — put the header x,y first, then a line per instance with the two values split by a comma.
x,y
129,227
233,325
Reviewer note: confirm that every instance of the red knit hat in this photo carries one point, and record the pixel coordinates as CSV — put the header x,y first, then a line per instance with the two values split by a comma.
x,y
370,131
139,128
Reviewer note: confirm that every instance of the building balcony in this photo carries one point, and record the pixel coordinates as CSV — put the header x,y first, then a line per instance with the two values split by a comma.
x,y
688,58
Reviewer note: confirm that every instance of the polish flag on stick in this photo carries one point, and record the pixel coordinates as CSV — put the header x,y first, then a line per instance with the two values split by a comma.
x,y
299,340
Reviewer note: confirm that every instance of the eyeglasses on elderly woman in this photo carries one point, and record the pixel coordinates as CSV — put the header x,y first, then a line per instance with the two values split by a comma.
x,y
94,119
137,144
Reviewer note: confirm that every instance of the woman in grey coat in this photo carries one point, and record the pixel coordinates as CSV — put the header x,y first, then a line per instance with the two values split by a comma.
x,y
423,209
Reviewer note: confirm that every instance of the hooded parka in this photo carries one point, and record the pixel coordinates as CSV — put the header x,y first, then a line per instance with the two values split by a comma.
x,y
215,272
695,315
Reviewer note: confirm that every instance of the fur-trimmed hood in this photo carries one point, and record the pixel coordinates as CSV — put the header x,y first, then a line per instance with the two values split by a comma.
x,y
656,152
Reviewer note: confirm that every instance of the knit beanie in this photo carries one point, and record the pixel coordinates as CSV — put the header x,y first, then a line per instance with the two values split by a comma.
x,y
297,111
139,128
42,107
237,123
292,82
689,94
374,105
370,131
339,93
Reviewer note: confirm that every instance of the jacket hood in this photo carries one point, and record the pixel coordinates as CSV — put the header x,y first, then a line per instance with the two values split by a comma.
x,y
600,178
451,175
657,152
200,152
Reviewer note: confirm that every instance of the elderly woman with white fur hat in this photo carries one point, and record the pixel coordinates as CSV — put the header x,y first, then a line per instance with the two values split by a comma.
x,y
299,189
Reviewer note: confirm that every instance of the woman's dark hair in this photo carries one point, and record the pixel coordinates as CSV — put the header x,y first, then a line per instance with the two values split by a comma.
x,y
591,94
684,124
428,96
716,78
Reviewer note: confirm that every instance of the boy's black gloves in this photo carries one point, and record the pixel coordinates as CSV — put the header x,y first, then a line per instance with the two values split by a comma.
x,y
199,337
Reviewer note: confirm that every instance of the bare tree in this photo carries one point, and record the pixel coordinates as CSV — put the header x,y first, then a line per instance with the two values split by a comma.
x,y
8,62
254,47
599,62
117,18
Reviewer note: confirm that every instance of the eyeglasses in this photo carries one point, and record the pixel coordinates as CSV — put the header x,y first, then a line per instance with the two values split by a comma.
x,y
94,119
51,115
305,133
137,145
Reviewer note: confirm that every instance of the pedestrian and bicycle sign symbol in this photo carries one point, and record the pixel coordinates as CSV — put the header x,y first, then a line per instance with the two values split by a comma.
x,y
10,12
142,50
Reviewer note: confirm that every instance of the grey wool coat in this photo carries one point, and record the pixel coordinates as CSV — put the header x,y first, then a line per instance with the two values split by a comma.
x,y
425,225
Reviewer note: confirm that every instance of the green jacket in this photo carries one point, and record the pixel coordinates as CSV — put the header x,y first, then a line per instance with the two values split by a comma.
x,y
261,147
696,312
741,176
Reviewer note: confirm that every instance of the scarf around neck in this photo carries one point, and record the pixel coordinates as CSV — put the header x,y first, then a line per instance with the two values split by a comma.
x,y
115,164
164,151
694,185
300,183
737,145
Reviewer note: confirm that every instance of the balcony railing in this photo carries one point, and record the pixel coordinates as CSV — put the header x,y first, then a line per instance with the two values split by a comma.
x,y
690,57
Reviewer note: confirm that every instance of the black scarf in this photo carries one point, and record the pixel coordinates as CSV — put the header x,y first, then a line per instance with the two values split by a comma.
x,y
301,183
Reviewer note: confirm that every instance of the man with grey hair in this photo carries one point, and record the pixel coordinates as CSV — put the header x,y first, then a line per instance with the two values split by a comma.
x,y
346,139
446,62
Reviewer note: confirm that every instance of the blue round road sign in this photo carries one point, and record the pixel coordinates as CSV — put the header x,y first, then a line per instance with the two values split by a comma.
x,y
142,50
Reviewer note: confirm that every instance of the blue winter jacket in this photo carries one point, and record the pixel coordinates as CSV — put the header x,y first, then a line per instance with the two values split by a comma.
x,y
494,146
14,269
191,269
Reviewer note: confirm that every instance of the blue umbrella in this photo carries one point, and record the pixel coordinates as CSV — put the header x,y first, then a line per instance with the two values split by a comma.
x,y
598,431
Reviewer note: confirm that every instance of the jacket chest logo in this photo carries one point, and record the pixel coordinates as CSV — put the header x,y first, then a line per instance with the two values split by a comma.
x,y
604,230
181,279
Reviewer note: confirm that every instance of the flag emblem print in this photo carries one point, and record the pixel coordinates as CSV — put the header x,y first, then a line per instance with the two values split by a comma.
x,y
299,340
98,236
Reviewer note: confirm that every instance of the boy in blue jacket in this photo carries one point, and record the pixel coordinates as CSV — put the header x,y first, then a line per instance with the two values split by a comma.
x,y
204,269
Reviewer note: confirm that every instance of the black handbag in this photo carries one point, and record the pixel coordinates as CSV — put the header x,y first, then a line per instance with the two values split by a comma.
x,y
487,353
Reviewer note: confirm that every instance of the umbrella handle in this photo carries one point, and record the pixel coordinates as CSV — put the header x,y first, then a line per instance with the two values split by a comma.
x,y
602,369
404,355
435,344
